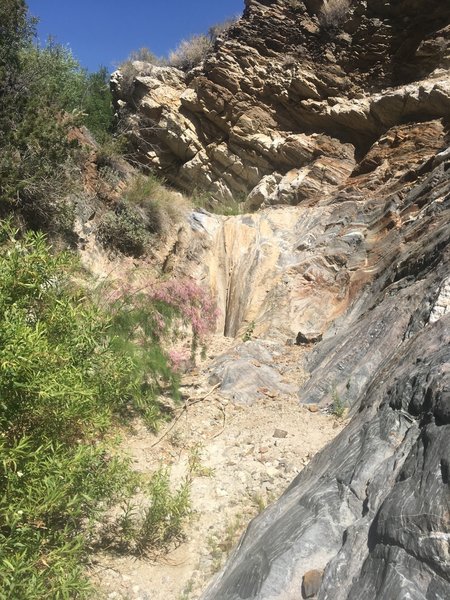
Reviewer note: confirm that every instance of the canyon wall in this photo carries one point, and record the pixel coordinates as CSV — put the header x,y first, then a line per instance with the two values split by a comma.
x,y
337,136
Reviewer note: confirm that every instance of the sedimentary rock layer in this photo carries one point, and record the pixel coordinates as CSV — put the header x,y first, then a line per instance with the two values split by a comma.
x,y
278,109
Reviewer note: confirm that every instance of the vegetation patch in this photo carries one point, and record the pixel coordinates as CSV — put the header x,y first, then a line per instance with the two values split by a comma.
x,y
44,94
124,230
188,54
147,208
338,405
70,370
333,13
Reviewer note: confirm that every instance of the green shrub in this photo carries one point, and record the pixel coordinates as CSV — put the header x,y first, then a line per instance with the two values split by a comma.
x,y
67,371
54,74
35,118
43,94
164,518
147,208
98,112
338,405
124,230
16,30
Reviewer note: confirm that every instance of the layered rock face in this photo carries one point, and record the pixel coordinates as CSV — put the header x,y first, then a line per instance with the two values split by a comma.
x,y
349,126
291,271
270,113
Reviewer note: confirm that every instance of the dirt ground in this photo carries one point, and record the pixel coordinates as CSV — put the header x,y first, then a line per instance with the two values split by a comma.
x,y
245,457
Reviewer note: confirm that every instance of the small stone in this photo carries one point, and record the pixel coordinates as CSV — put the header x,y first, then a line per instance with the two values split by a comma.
x,y
272,472
308,338
242,476
263,449
313,408
279,433
311,583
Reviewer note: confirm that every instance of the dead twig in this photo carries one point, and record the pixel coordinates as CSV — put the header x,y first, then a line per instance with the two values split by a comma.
x,y
188,402
222,408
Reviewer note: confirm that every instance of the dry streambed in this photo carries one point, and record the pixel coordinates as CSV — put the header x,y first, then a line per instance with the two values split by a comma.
x,y
241,458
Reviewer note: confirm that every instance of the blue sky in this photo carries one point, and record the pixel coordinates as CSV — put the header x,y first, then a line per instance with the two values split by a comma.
x,y
104,32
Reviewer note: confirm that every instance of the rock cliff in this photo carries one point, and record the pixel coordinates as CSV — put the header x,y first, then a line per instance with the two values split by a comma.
x,y
347,122
282,96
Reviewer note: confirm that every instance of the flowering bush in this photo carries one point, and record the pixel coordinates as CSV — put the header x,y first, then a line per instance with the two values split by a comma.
x,y
178,359
161,314
194,304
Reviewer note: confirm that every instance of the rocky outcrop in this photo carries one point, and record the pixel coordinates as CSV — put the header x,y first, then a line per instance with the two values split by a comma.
x,y
360,279
294,270
278,110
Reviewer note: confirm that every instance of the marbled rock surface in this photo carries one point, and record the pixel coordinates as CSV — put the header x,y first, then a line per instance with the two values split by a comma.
x,y
340,137
372,510
290,272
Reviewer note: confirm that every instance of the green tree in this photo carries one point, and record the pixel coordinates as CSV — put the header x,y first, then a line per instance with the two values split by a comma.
x,y
44,92
16,28
97,104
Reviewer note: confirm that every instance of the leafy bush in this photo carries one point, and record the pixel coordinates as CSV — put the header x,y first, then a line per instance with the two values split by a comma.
x,y
333,13
33,132
147,208
43,94
67,370
98,112
16,29
124,230
164,518
57,77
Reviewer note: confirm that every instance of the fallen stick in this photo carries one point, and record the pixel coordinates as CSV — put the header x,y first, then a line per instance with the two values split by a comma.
x,y
189,402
